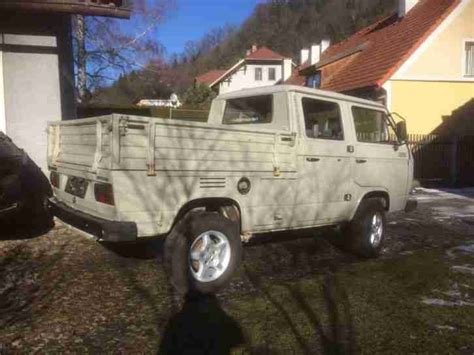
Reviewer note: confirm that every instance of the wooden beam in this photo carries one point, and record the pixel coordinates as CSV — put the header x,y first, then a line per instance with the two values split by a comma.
x,y
72,6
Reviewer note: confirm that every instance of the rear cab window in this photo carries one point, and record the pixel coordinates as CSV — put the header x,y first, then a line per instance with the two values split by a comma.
x,y
322,119
256,112
373,126
249,110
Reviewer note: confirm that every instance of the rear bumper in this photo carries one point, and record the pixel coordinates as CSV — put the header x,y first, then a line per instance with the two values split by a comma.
x,y
411,205
111,231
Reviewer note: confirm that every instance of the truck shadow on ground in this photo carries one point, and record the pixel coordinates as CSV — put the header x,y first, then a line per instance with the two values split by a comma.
x,y
143,250
151,248
288,256
201,327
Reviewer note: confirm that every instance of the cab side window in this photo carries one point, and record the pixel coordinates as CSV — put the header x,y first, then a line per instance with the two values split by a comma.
x,y
322,119
373,126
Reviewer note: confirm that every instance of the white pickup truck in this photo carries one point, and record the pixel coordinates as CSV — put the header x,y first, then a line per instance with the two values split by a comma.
x,y
268,159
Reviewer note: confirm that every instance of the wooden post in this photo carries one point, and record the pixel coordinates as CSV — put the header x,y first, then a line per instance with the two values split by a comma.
x,y
454,160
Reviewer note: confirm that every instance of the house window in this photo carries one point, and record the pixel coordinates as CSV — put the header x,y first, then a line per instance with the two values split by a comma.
x,y
314,81
469,58
258,74
322,119
271,74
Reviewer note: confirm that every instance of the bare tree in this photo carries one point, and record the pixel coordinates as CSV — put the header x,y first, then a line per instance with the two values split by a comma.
x,y
81,57
106,47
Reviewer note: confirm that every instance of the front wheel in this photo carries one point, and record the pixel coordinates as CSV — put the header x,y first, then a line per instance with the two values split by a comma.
x,y
202,252
366,232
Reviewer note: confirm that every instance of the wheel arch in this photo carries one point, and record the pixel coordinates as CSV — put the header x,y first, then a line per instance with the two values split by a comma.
x,y
381,194
223,205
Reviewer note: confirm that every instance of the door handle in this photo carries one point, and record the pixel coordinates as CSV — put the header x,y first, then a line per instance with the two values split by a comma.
x,y
291,139
361,161
312,160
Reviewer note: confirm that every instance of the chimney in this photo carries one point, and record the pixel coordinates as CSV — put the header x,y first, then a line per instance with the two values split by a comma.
x,y
325,43
287,69
304,56
404,6
315,54
249,51
254,48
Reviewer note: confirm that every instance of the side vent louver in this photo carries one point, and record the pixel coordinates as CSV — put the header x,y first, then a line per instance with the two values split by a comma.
x,y
212,183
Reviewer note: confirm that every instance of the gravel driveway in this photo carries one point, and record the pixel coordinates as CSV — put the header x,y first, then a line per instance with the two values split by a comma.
x,y
64,292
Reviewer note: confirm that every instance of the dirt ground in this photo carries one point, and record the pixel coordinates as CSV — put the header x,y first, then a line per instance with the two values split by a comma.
x,y
65,293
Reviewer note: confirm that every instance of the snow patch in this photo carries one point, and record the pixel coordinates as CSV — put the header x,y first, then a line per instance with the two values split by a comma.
x,y
464,249
465,269
444,303
444,327
453,293
422,193
454,211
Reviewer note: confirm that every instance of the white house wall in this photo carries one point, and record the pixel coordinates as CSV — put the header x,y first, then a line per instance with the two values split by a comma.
x,y
244,78
32,94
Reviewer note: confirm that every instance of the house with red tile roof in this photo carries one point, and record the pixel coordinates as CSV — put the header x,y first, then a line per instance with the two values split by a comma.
x,y
260,67
210,77
419,61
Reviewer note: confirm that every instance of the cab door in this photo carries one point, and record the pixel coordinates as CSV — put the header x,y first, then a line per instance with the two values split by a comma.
x,y
380,162
324,163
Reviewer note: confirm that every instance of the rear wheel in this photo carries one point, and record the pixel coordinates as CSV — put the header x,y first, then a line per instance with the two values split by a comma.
x,y
202,252
365,234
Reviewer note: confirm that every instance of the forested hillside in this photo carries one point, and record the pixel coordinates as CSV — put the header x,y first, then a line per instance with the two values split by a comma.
x,y
286,26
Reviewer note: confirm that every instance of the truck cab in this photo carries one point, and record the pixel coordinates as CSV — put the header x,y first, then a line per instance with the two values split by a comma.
x,y
332,150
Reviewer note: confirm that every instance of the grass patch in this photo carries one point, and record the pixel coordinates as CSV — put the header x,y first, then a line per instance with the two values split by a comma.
x,y
370,306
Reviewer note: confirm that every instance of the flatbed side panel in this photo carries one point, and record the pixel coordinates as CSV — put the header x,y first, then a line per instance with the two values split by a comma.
x,y
205,148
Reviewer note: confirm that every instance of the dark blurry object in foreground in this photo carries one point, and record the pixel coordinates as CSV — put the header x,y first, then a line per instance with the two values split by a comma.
x,y
24,192
201,327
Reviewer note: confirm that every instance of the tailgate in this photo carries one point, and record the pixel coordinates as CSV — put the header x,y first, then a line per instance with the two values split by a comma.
x,y
83,144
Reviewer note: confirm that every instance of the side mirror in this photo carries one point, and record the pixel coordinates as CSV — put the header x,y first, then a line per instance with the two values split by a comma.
x,y
402,131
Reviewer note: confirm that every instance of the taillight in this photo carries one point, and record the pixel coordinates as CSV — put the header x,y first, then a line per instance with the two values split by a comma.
x,y
104,193
54,178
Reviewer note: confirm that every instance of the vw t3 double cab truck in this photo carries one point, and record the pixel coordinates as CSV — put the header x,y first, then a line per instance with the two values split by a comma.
x,y
268,159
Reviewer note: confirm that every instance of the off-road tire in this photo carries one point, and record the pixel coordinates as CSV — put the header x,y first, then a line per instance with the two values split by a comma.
x,y
357,233
179,241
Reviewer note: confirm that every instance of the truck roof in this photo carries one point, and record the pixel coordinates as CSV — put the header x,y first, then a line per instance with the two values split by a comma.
x,y
265,90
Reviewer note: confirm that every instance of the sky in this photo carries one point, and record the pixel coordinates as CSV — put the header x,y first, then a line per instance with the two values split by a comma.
x,y
193,18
